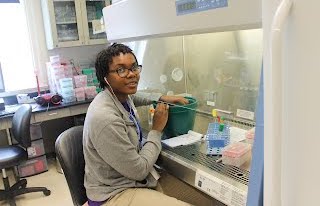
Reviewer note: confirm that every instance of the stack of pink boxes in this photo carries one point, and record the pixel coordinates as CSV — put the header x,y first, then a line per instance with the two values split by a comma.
x,y
83,91
80,82
60,75
37,162
66,82
91,92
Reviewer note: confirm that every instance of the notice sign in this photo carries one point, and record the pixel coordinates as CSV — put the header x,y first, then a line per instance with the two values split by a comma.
x,y
220,190
245,114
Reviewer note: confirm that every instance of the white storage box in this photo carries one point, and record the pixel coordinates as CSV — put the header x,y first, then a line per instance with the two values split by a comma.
x,y
236,154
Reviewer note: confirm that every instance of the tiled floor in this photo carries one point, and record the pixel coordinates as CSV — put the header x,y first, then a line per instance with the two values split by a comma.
x,y
53,180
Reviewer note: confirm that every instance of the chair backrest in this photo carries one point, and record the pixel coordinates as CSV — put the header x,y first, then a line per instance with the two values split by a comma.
x,y
70,155
21,125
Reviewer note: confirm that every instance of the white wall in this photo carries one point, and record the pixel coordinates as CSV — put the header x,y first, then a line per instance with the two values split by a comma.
x,y
81,54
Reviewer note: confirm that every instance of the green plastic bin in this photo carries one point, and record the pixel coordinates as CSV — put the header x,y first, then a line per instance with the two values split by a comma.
x,y
181,118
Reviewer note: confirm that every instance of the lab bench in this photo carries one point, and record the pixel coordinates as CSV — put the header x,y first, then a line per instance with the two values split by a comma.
x,y
43,113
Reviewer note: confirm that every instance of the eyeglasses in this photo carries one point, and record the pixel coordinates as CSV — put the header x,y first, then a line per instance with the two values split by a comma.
x,y
123,72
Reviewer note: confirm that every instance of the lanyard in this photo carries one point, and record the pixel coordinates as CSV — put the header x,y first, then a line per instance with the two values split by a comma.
x,y
138,130
132,117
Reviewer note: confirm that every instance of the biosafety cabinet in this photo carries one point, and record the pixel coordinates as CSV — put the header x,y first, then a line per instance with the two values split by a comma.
x,y
141,19
208,49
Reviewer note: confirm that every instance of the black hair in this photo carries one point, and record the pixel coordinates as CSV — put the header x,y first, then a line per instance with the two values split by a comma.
x,y
104,59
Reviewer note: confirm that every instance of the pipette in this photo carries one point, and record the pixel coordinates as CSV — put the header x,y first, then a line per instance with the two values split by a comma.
x,y
176,105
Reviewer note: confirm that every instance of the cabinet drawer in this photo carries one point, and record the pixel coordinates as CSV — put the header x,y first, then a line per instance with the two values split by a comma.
x,y
79,109
4,123
33,166
54,114
32,120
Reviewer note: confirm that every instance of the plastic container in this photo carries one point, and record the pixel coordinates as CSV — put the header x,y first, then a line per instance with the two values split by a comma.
x,y
95,82
80,81
89,72
80,94
35,131
33,166
68,70
150,115
69,99
67,92
91,92
181,118
90,82
98,89
216,139
250,135
36,149
236,154
55,60
57,69
66,83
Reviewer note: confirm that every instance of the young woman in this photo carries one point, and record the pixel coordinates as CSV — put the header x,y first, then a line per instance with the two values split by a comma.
x,y
119,167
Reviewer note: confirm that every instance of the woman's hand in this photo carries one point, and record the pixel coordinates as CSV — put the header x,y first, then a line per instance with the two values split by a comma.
x,y
174,99
160,117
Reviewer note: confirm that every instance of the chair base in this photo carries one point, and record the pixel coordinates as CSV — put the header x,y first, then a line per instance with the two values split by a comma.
x,y
18,188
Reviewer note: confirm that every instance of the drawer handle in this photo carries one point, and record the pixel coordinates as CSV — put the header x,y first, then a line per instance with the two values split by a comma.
x,y
52,113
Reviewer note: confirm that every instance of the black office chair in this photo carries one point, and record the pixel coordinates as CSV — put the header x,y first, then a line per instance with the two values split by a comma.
x,y
13,155
70,155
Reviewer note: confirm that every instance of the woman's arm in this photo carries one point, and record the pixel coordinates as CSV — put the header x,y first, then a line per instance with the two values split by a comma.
x,y
142,99
116,149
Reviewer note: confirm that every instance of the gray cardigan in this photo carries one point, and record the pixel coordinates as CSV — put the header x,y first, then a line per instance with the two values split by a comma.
x,y
111,148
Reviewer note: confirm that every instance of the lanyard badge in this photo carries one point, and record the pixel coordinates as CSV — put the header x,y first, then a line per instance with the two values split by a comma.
x,y
134,120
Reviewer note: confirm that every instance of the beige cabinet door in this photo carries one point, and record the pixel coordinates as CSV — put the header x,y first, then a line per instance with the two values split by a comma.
x,y
63,23
93,25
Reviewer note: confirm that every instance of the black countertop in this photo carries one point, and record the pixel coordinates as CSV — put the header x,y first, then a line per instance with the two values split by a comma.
x,y
11,109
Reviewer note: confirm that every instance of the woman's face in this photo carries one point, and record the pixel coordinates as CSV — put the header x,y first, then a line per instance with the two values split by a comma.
x,y
123,86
